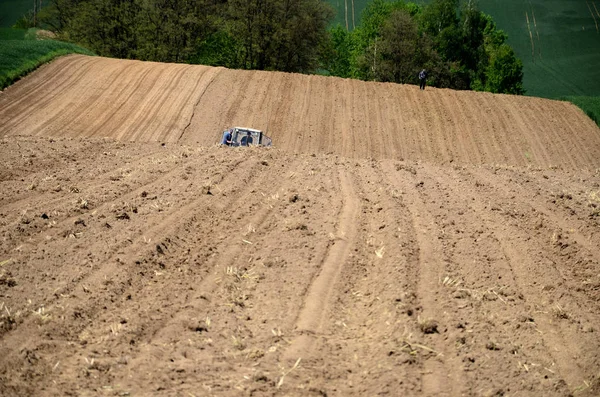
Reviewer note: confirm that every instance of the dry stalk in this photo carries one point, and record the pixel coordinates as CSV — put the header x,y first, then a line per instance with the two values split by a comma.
x,y
285,373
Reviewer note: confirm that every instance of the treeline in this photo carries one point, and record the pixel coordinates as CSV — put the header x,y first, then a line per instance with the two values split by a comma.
x,y
458,44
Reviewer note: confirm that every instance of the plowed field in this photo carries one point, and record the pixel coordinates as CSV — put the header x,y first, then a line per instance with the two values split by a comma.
x,y
392,242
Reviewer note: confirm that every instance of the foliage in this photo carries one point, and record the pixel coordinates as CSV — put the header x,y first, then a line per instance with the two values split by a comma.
x,y
19,56
217,49
561,56
287,35
26,21
504,74
395,55
458,45
335,57
278,34
12,34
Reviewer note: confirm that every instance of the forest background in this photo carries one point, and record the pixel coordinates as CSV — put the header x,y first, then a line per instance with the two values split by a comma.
x,y
458,44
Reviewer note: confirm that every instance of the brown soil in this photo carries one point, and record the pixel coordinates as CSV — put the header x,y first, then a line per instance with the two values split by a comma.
x,y
393,242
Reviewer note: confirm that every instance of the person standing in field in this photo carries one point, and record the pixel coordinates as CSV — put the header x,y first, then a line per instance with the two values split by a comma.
x,y
422,79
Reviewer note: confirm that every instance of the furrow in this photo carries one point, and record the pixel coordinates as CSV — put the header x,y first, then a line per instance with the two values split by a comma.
x,y
441,373
538,283
317,299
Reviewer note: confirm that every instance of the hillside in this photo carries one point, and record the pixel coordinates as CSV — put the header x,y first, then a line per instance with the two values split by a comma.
x,y
79,96
393,242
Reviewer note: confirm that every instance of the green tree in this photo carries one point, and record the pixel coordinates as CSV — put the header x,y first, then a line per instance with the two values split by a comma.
x,y
106,26
394,56
58,13
365,38
439,15
282,35
172,30
504,73
337,54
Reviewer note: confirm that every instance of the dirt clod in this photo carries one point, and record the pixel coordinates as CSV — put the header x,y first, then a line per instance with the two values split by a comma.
x,y
429,326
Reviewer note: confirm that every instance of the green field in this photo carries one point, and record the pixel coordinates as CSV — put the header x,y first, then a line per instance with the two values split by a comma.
x,y
565,60
21,53
12,10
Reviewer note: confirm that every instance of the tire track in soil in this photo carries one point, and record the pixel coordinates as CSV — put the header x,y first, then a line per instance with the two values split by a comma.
x,y
566,354
215,111
156,332
372,108
373,331
282,262
174,220
473,127
409,125
206,86
262,84
441,375
156,335
486,134
43,201
164,115
259,110
348,124
362,112
64,220
426,149
301,112
322,114
339,115
174,102
317,299
445,143
282,103
152,230
380,286
175,127
389,119
494,323
232,112
519,195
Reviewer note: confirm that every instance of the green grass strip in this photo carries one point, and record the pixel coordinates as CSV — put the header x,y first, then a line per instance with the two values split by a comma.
x,y
20,57
589,104
12,34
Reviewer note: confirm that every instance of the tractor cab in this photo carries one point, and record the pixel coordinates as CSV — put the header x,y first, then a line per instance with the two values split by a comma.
x,y
242,136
